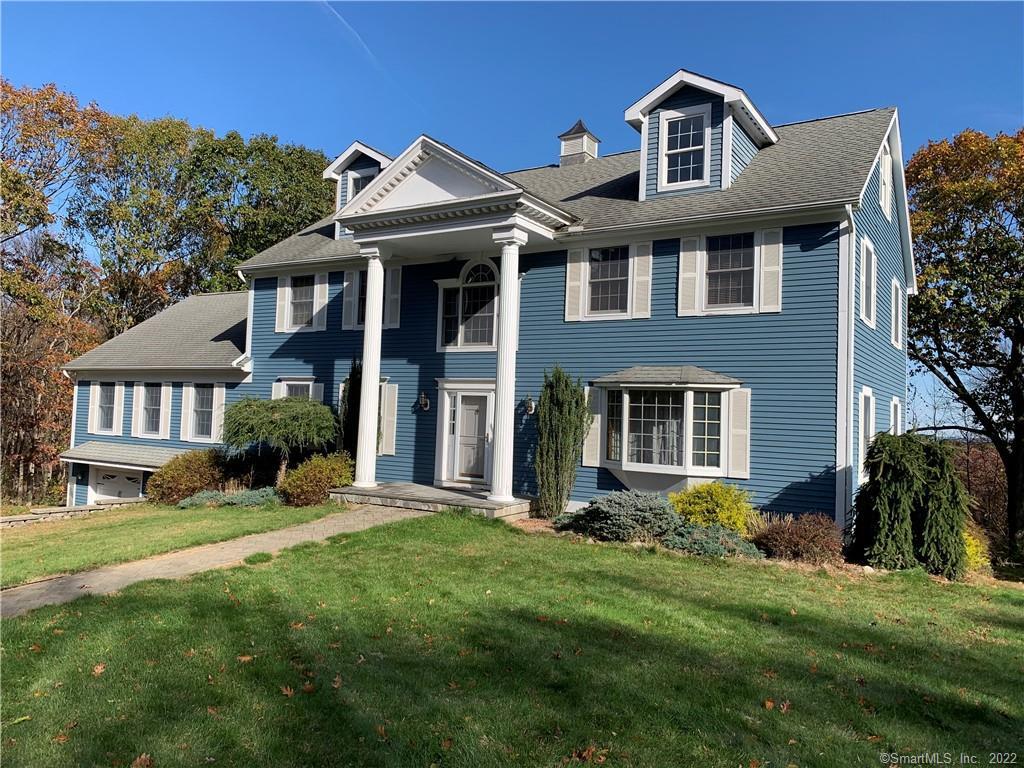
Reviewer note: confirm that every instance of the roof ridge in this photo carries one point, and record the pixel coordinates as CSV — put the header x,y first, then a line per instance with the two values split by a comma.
x,y
834,117
213,293
556,165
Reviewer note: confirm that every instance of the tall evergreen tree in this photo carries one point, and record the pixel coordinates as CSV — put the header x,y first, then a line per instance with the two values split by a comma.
x,y
563,418
941,515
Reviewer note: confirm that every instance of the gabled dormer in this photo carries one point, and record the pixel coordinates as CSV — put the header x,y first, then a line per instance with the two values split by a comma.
x,y
352,171
697,134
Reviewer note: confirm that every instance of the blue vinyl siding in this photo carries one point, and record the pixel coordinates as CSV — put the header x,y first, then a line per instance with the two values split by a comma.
x,y
685,97
876,362
743,150
79,477
361,163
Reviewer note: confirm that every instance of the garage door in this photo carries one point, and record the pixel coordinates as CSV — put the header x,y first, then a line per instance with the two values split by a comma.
x,y
112,484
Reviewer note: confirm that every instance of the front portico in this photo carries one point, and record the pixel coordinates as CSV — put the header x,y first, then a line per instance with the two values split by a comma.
x,y
430,204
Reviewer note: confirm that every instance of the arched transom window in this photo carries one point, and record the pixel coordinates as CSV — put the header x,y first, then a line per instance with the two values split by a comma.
x,y
469,306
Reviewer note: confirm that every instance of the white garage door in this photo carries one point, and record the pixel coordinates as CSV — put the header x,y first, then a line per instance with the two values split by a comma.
x,y
116,484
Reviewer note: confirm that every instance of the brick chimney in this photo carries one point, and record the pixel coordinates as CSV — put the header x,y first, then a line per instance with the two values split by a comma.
x,y
579,145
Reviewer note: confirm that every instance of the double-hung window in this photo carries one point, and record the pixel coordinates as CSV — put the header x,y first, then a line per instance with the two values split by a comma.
x,y
202,411
151,408
685,153
105,408
608,280
301,309
730,271
469,308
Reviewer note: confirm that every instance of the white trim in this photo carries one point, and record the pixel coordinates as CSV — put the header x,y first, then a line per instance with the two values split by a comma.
x,y
460,283
187,413
94,404
645,130
351,179
896,314
250,319
447,389
885,180
865,246
896,425
747,113
321,301
702,308
844,368
74,408
95,469
727,148
282,383
93,462
864,438
342,161
664,117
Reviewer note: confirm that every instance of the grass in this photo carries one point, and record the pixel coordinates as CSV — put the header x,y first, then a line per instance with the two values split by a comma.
x,y
454,641
121,534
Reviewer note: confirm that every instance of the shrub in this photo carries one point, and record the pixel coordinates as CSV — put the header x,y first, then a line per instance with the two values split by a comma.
x,y
563,419
976,549
709,541
714,504
251,498
309,482
184,476
807,538
622,516
941,516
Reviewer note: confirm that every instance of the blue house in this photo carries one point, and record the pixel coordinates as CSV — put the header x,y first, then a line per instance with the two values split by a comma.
x,y
732,294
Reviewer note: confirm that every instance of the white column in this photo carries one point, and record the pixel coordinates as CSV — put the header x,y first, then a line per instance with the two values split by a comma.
x,y
369,394
505,386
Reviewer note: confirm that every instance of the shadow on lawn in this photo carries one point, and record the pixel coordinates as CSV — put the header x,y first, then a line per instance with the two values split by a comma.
x,y
471,685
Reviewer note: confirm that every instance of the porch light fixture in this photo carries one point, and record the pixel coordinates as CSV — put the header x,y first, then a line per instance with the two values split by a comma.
x,y
531,407
424,402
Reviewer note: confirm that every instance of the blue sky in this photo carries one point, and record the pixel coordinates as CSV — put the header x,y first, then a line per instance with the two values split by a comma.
x,y
501,80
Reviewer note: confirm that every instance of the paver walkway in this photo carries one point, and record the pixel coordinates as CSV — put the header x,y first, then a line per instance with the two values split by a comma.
x,y
185,562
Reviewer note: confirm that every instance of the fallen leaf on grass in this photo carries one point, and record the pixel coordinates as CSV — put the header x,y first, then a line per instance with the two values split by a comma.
x,y
874,739
768,704
35,647
244,658
143,761
785,706
99,669
336,683
287,690
296,625
212,711
381,732
61,738
308,687
446,744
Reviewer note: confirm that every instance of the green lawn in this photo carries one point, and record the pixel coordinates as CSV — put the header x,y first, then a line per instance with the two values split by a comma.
x,y
117,535
453,641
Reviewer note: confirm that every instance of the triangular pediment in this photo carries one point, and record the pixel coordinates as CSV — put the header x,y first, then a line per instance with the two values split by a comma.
x,y
428,172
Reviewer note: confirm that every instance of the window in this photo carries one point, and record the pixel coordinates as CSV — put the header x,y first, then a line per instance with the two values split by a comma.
x,y
298,389
707,429
867,429
361,306
302,288
896,417
358,182
469,307
896,315
868,272
685,148
105,409
730,270
613,436
885,181
608,280
151,410
655,427
202,410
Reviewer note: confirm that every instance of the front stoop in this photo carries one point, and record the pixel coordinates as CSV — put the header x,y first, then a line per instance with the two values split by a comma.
x,y
431,499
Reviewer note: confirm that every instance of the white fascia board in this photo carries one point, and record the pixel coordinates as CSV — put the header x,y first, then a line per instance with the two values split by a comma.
x,y
111,464
747,113
356,148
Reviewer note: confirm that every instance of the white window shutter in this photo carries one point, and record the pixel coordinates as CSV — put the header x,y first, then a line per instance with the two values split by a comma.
x,y
739,433
138,393
277,390
350,301
389,419
689,276
118,407
185,419
574,277
320,301
393,298
218,412
341,395
281,317
642,270
94,404
165,410
592,444
771,270
316,392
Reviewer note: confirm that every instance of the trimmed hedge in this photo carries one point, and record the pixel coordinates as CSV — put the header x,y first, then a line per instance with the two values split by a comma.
x,y
807,538
253,498
185,476
709,541
622,516
714,504
309,482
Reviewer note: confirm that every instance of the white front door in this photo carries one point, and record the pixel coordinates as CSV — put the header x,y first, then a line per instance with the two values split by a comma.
x,y
464,441
110,483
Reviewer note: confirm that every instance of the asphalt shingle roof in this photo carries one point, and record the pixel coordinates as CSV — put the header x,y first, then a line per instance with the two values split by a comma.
x,y
825,161
666,374
135,455
203,331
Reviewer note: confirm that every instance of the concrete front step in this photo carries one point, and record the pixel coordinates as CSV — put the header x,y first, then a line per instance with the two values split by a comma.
x,y
430,499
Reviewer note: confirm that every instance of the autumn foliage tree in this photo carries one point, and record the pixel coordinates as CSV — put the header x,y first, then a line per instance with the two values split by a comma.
x,y
967,322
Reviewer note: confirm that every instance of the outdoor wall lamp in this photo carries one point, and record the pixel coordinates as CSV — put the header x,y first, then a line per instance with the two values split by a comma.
x,y
424,402
531,407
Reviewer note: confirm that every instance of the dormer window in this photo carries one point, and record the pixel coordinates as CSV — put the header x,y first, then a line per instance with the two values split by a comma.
x,y
357,182
685,157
